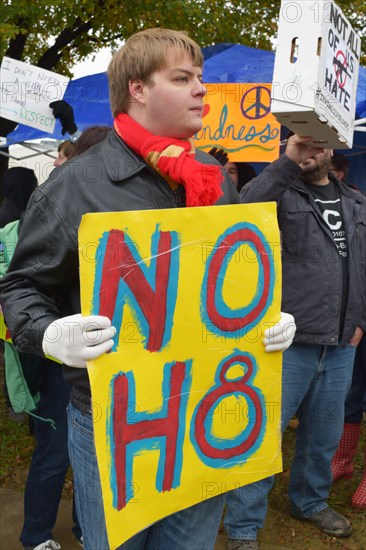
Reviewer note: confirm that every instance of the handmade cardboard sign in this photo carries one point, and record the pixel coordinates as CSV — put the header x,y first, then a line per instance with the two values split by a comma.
x,y
316,71
341,64
237,118
187,404
27,91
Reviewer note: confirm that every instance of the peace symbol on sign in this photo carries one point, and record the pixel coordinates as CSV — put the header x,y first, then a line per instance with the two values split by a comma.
x,y
256,102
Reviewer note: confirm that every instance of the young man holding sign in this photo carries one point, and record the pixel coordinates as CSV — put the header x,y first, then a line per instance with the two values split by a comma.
x,y
148,162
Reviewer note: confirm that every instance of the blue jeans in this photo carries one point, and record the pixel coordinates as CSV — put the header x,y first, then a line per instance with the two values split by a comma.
x,y
50,460
356,398
315,382
194,528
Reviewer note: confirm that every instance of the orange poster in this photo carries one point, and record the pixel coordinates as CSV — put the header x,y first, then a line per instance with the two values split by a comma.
x,y
237,118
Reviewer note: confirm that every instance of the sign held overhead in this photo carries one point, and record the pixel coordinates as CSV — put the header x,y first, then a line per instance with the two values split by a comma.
x,y
316,72
27,91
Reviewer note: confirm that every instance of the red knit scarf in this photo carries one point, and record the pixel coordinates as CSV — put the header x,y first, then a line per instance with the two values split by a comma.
x,y
174,160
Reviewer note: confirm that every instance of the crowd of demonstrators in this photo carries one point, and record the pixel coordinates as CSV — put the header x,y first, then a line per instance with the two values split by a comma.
x,y
157,94
35,384
324,288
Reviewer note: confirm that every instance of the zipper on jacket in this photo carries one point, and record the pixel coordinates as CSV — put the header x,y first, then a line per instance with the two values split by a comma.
x,y
178,197
328,233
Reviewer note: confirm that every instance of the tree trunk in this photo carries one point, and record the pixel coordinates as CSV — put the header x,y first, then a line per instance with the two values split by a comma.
x,y
15,51
6,126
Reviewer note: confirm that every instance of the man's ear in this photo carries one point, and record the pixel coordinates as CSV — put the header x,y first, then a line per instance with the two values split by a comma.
x,y
136,89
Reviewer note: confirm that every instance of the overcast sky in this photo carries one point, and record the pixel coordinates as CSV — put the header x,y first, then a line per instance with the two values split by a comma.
x,y
88,67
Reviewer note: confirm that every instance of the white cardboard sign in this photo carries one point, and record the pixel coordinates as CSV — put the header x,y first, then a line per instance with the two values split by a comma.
x,y
340,72
27,91
316,72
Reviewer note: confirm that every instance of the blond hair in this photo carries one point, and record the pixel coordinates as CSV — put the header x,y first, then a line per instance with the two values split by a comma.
x,y
144,53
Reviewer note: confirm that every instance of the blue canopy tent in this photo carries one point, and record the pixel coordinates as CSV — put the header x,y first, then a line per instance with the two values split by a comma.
x,y
223,63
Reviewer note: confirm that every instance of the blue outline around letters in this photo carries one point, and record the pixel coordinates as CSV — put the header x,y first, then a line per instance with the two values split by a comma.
x,y
125,295
223,309
220,443
159,442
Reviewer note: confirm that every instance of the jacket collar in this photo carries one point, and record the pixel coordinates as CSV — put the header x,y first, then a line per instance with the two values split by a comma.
x,y
346,190
120,161
342,188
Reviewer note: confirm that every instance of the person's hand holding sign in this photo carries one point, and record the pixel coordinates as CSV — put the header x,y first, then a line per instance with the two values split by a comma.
x,y
74,340
65,113
298,149
280,336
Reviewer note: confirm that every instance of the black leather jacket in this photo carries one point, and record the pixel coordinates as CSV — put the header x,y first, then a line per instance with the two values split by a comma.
x,y
42,283
311,265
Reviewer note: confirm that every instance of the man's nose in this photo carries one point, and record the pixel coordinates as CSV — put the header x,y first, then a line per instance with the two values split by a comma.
x,y
200,89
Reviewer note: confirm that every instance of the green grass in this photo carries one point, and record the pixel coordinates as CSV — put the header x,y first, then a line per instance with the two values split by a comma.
x,y
283,529
16,443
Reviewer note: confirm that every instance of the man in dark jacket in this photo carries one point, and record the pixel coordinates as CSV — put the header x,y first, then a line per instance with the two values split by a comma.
x,y
323,233
147,162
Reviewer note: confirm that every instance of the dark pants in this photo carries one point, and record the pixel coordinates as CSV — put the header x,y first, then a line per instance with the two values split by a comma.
x,y
356,398
50,460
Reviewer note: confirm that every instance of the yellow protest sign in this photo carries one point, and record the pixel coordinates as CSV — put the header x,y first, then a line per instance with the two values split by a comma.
x,y
4,331
237,118
187,404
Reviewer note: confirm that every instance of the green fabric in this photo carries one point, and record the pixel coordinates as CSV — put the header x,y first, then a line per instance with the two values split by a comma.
x,y
20,397
22,376
8,241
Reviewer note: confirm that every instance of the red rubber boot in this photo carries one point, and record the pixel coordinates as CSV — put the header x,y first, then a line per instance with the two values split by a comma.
x,y
359,498
342,463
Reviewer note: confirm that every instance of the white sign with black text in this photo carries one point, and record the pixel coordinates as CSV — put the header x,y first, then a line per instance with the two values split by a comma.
x,y
27,91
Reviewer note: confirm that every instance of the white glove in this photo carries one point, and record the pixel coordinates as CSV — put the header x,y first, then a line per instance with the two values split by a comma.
x,y
280,336
75,339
